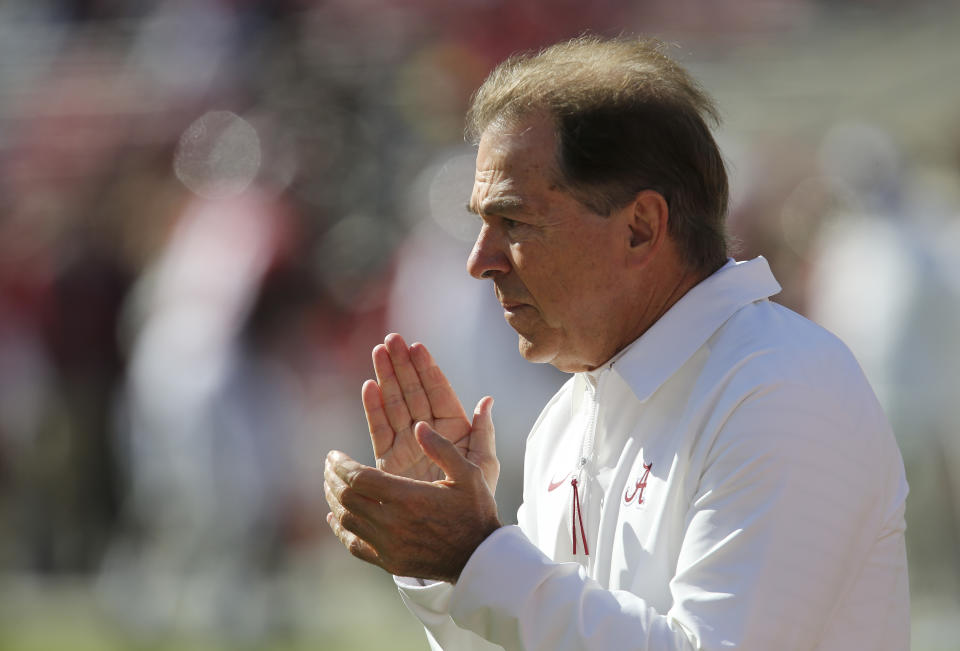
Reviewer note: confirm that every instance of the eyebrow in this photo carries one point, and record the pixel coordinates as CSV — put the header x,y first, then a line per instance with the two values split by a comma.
x,y
501,206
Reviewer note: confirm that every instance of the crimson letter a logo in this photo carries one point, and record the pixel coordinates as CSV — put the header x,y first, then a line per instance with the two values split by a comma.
x,y
639,487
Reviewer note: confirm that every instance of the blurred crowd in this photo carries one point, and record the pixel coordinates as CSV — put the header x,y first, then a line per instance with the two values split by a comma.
x,y
211,211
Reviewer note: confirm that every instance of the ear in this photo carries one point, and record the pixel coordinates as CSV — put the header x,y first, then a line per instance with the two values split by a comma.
x,y
648,225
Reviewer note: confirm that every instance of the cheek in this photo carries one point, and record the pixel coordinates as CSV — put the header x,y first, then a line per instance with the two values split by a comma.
x,y
579,285
565,276
536,267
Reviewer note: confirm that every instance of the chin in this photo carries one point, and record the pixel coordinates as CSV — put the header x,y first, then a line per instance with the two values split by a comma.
x,y
551,353
536,353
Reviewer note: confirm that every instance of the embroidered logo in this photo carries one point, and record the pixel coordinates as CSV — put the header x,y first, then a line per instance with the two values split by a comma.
x,y
554,485
639,487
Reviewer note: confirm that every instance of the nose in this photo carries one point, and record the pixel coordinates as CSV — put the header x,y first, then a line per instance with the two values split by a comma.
x,y
488,255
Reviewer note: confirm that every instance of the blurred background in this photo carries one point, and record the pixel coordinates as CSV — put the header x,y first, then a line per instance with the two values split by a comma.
x,y
212,210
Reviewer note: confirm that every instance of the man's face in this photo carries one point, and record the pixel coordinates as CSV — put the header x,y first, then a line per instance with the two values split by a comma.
x,y
557,266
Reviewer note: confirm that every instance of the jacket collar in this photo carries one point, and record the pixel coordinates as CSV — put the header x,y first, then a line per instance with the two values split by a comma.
x,y
660,351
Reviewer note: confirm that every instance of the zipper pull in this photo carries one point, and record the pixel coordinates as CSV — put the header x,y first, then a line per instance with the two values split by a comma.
x,y
577,516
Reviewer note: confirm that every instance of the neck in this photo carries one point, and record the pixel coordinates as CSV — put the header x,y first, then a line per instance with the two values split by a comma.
x,y
660,301
671,294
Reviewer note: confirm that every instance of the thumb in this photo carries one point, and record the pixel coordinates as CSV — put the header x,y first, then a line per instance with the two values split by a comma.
x,y
442,452
482,441
483,449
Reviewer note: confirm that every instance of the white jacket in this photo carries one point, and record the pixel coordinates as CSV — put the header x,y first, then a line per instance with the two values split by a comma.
x,y
737,487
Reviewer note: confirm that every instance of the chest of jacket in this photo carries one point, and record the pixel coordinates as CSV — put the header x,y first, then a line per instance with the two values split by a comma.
x,y
624,519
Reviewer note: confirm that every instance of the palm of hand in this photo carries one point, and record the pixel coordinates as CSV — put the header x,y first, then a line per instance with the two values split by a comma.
x,y
406,458
411,388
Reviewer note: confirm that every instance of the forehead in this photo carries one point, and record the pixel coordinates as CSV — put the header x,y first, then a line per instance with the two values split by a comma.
x,y
528,144
515,159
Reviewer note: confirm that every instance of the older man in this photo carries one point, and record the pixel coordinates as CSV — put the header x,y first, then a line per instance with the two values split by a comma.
x,y
716,473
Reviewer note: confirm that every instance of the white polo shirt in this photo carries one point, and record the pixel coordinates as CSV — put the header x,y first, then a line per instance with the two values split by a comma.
x,y
737,486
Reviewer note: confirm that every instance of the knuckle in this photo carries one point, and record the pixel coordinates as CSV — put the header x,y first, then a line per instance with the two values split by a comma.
x,y
334,487
435,377
359,478
338,512
355,546
350,522
412,388
347,497
393,400
359,475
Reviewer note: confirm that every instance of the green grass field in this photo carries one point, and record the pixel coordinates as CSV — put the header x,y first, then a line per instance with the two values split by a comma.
x,y
340,604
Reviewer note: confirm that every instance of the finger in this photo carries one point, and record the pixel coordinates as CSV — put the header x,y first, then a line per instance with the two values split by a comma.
x,y
392,399
354,544
341,496
410,385
370,483
349,518
483,448
442,452
444,402
482,439
381,433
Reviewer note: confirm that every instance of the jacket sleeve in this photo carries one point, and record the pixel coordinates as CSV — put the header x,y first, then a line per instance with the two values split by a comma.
x,y
788,503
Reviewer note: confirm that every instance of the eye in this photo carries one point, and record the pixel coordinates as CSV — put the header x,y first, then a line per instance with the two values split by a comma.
x,y
510,224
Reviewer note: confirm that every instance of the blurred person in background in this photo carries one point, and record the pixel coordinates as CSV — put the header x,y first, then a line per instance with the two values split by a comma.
x,y
717,472
206,431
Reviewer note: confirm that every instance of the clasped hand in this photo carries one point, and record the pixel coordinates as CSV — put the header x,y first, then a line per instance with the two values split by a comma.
x,y
429,502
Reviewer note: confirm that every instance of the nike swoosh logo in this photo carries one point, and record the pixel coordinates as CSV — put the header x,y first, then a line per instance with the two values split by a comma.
x,y
554,485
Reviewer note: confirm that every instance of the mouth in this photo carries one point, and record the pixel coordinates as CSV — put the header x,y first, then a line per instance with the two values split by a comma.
x,y
520,316
511,306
